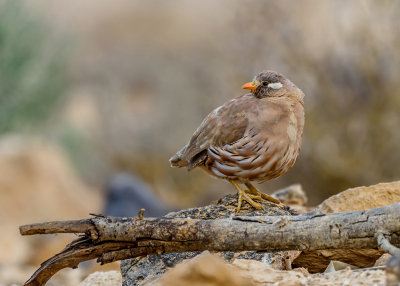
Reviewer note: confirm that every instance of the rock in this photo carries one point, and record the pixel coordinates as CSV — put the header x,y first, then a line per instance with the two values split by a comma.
x,y
203,270
126,194
12,275
207,269
335,265
109,278
349,278
362,198
383,260
318,260
262,274
281,260
393,271
293,196
37,184
355,199
136,270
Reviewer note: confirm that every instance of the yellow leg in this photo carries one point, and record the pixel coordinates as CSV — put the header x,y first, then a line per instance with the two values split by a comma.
x,y
253,190
243,196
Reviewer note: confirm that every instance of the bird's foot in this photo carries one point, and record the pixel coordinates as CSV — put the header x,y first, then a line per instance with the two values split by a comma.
x,y
253,197
256,193
243,196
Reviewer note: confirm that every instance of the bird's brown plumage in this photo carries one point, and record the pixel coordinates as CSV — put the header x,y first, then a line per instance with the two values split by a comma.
x,y
256,136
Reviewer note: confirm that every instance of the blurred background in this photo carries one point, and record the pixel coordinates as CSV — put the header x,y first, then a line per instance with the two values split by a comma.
x,y
90,90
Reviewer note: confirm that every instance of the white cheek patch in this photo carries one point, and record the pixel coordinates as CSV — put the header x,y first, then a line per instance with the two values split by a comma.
x,y
275,85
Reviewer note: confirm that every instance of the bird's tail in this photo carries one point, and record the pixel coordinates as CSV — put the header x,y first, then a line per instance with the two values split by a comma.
x,y
176,161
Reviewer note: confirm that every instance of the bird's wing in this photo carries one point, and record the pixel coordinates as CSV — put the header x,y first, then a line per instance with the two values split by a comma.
x,y
224,125
272,136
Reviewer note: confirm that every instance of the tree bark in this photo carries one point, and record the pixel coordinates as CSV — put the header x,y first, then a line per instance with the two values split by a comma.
x,y
109,239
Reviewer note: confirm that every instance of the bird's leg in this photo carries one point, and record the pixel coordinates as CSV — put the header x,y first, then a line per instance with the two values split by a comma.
x,y
253,190
242,195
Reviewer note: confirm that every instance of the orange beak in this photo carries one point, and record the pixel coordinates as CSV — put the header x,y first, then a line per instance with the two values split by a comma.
x,y
250,85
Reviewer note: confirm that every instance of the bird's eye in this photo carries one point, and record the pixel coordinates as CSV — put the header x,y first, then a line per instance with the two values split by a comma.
x,y
264,83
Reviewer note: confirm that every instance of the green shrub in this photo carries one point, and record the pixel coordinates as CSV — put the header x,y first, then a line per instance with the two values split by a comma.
x,y
32,68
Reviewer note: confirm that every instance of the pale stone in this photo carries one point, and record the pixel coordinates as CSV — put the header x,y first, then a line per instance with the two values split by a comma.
x,y
203,270
362,198
37,184
383,259
109,278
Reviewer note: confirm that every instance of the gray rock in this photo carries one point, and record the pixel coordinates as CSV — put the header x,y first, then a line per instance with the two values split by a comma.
x,y
126,194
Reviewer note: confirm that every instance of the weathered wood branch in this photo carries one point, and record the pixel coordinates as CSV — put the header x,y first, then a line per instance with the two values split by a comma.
x,y
109,239
384,243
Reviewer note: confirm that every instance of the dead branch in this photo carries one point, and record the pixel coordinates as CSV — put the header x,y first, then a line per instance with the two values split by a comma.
x,y
109,239
384,243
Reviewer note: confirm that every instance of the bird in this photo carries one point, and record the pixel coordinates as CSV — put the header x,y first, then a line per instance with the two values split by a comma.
x,y
253,137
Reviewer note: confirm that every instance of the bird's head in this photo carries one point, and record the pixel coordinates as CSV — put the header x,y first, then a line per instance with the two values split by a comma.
x,y
273,84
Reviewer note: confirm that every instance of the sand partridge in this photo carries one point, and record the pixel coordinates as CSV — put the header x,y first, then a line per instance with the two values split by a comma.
x,y
253,137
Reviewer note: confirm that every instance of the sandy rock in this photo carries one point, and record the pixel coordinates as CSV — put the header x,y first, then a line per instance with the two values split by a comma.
x,y
393,271
203,270
11,275
207,269
109,278
362,198
279,260
318,260
355,199
335,265
293,196
263,274
37,184
382,260
349,278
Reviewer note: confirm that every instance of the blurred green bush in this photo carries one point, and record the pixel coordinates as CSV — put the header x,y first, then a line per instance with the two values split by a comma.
x,y
32,68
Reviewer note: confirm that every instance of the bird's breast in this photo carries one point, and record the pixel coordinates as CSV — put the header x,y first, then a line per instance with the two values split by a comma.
x,y
292,128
